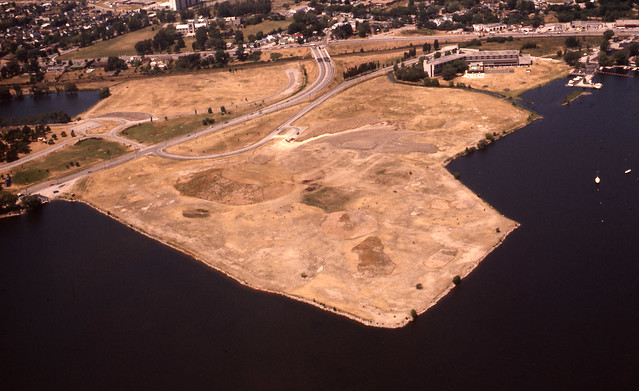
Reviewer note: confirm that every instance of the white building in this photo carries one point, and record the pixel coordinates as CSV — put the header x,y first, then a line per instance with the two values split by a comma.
x,y
188,29
177,5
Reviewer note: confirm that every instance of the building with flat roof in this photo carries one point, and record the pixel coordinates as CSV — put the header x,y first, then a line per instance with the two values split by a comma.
x,y
481,58
627,23
177,5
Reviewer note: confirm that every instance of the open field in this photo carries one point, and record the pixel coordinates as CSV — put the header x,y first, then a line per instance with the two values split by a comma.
x,y
235,137
546,47
160,130
79,155
266,27
118,46
185,93
350,220
516,83
375,46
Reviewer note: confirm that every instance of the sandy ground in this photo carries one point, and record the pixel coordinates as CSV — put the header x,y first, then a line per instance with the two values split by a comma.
x,y
185,93
350,219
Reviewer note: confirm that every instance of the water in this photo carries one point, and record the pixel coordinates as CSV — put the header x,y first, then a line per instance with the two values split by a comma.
x,y
87,303
29,105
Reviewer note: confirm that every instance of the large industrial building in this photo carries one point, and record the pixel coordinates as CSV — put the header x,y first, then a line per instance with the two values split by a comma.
x,y
484,58
177,5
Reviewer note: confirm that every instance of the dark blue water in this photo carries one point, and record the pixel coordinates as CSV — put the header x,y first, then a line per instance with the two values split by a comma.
x,y
29,105
87,303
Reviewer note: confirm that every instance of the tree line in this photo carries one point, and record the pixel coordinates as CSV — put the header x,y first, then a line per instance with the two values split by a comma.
x,y
242,7
361,68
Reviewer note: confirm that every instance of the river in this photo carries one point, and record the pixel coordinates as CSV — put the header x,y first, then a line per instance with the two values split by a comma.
x,y
88,303
72,103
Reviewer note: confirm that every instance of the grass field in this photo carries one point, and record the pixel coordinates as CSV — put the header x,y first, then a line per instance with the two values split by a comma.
x,y
265,27
118,46
78,156
545,46
154,132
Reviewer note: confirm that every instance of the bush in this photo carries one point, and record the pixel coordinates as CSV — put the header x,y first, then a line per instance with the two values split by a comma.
x,y
419,286
428,82
449,72
104,93
529,45
413,314
456,280
70,87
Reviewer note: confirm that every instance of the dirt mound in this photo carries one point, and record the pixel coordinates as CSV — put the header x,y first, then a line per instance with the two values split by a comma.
x,y
349,224
372,259
245,185
195,213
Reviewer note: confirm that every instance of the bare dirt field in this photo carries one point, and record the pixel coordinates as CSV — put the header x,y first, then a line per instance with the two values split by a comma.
x,y
514,84
355,219
185,93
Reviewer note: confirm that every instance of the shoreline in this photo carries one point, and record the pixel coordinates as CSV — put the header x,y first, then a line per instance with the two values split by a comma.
x,y
323,306
314,303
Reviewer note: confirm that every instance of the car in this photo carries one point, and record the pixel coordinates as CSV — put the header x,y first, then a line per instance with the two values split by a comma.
x,y
56,191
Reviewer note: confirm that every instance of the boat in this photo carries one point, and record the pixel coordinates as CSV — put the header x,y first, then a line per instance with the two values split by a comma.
x,y
627,171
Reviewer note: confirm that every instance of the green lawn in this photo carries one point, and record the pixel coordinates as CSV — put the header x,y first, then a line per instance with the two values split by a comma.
x,y
118,46
545,46
161,130
266,27
80,155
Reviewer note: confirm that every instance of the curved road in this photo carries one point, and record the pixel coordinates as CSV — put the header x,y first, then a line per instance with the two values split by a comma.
x,y
325,77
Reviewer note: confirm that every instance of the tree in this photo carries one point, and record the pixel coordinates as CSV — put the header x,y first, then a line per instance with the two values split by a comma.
x,y
70,87
239,36
31,203
621,57
144,47
5,94
608,34
460,65
115,63
363,29
449,72
201,36
572,58
239,52
7,200
104,93
572,42
436,44
342,32
223,109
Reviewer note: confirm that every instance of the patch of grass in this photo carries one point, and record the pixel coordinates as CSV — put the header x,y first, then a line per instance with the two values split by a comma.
x,y
118,46
81,154
545,46
31,175
161,130
572,96
266,27
328,199
419,32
